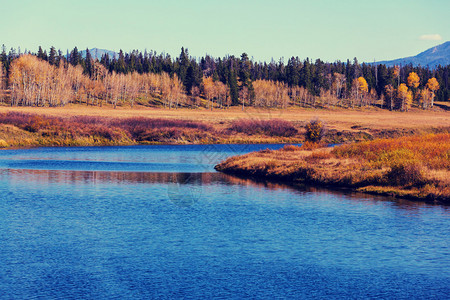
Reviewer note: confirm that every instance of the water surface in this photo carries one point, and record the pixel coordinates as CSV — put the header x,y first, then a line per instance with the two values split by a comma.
x,y
74,224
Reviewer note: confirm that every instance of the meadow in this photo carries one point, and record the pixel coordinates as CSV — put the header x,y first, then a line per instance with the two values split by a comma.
x,y
79,125
232,125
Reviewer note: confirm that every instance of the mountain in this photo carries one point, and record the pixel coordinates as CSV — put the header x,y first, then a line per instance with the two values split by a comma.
x,y
438,55
98,53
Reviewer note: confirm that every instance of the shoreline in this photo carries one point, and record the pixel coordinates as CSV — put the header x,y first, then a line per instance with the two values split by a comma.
x,y
346,167
338,188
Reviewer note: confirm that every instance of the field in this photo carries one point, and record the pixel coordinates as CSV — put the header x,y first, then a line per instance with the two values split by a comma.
x,y
416,167
63,125
340,119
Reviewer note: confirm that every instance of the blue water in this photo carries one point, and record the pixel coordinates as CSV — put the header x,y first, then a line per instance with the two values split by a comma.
x,y
160,158
74,225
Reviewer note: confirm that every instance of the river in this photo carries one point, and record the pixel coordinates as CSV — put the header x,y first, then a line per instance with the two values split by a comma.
x,y
145,222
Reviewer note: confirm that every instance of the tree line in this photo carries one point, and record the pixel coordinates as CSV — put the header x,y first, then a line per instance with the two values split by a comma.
x,y
40,79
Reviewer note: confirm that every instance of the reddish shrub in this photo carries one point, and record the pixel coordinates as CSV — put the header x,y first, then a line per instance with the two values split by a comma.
x,y
290,148
273,127
406,174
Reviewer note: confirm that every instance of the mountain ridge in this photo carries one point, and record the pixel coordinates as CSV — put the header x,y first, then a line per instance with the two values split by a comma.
x,y
97,53
432,57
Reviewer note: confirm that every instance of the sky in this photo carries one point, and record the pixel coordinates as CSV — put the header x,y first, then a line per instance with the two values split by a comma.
x,y
327,29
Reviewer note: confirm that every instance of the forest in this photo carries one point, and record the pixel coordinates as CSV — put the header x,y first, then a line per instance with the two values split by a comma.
x,y
152,79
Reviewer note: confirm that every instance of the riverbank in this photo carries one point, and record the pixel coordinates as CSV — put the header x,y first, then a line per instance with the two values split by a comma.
x,y
77,125
415,167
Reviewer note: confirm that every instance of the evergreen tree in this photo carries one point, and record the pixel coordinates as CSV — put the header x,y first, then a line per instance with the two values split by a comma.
x,y
52,56
292,71
234,92
74,58
60,59
193,77
3,55
244,72
120,64
88,65
41,54
183,66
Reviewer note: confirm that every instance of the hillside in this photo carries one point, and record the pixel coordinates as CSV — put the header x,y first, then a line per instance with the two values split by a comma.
x,y
433,57
98,53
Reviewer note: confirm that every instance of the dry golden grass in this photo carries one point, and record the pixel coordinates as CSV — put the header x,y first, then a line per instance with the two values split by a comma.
x,y
422,173
339,119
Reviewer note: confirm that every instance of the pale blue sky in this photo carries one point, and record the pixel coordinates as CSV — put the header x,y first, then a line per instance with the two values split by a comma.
x,y
326,29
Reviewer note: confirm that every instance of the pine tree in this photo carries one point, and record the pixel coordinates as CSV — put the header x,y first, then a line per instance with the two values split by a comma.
x,y
3,55
183,65
41,53
234,92
74,58
88,65
52,56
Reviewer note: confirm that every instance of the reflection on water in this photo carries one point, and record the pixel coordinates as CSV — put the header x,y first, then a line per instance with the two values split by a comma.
x,y
151,158
100,234
193,181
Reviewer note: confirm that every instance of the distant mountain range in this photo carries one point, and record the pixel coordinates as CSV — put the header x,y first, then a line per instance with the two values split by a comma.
x,y
98,53
433,57
438,55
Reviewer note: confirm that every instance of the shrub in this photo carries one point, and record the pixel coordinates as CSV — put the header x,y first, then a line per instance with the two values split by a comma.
x,y
290,148
315,130
273,127
3,144
406,174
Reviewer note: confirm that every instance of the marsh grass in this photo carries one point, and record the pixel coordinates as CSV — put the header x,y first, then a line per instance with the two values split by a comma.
x,y
25,129
414,167
274,127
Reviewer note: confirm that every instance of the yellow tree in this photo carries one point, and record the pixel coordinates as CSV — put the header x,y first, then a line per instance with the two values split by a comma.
x,y
165,82
408,100
390,94
177,91
433,86
195,96
208,90
396,74
243,95
405,97
413,81
425,97
360,88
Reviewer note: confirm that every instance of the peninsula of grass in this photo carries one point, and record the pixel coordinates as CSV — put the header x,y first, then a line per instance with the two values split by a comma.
x,y
413,167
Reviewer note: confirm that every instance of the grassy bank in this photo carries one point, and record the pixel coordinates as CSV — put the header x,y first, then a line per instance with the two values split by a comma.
x,y
25,130
77,125
415,167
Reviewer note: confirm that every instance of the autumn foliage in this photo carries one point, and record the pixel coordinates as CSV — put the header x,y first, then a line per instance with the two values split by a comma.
x,y
415,167
314,130
36,82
